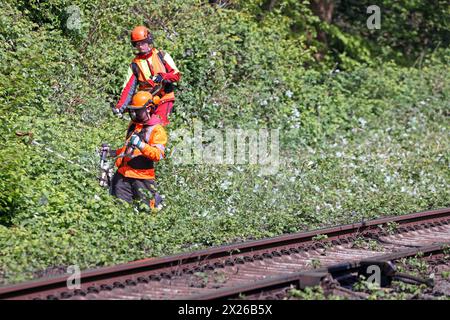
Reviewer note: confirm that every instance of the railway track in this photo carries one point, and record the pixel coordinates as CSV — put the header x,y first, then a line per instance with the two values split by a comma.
x,y
254,267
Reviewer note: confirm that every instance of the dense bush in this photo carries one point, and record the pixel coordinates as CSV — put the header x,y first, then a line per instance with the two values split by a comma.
x,y
410,29
355,144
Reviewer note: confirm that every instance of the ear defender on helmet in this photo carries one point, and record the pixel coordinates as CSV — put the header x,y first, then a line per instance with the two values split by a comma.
x,y
153,104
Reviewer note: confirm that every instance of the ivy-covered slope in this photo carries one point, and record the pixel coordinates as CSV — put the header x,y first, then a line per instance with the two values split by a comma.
x,y
357,140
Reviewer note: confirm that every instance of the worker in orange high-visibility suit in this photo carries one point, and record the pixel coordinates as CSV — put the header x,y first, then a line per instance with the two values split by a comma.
x,y
150,69
145,144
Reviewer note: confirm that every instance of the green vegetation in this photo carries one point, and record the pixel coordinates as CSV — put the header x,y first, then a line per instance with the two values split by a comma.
x,y
364,130
310,293
320,237
315,263
391,227
367,244
399,290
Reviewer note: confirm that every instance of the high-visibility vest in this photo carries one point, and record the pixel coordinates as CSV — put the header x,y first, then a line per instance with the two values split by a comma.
x,y
150,67
140,166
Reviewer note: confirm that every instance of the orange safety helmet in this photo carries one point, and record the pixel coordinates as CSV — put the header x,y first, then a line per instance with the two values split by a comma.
x,y
141,33
142,106
141,99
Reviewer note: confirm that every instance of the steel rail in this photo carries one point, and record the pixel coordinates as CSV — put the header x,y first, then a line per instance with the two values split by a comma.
x,y
310,278
151,264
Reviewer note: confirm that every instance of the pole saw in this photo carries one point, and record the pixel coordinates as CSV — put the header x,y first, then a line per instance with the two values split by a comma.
x,y
106,171
105,168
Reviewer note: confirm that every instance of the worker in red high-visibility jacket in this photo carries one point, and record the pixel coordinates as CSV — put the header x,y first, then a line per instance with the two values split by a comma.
x,y
150,69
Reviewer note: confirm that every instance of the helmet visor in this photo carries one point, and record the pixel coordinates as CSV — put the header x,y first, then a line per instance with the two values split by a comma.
x,y
139,115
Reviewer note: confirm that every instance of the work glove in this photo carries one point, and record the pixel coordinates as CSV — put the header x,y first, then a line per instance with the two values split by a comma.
x,y
118,112
164,77
158,78
136,141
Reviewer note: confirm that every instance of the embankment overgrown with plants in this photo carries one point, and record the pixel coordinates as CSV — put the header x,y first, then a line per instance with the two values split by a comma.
x,y
364,131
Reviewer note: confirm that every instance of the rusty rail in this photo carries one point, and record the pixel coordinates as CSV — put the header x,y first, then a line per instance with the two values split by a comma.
x,y
305,279
183,261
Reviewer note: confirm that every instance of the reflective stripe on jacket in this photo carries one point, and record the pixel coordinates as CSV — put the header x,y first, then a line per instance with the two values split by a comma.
x,y
150,67
138,76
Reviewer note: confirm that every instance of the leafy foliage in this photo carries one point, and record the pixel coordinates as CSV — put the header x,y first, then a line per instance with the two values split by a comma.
x,y
409,29
371,140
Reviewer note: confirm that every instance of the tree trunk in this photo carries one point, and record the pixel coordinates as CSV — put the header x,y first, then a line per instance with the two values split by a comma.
x,y
324,10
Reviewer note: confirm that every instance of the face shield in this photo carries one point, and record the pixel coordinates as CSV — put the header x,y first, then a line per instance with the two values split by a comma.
x,y
142,47
140,115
